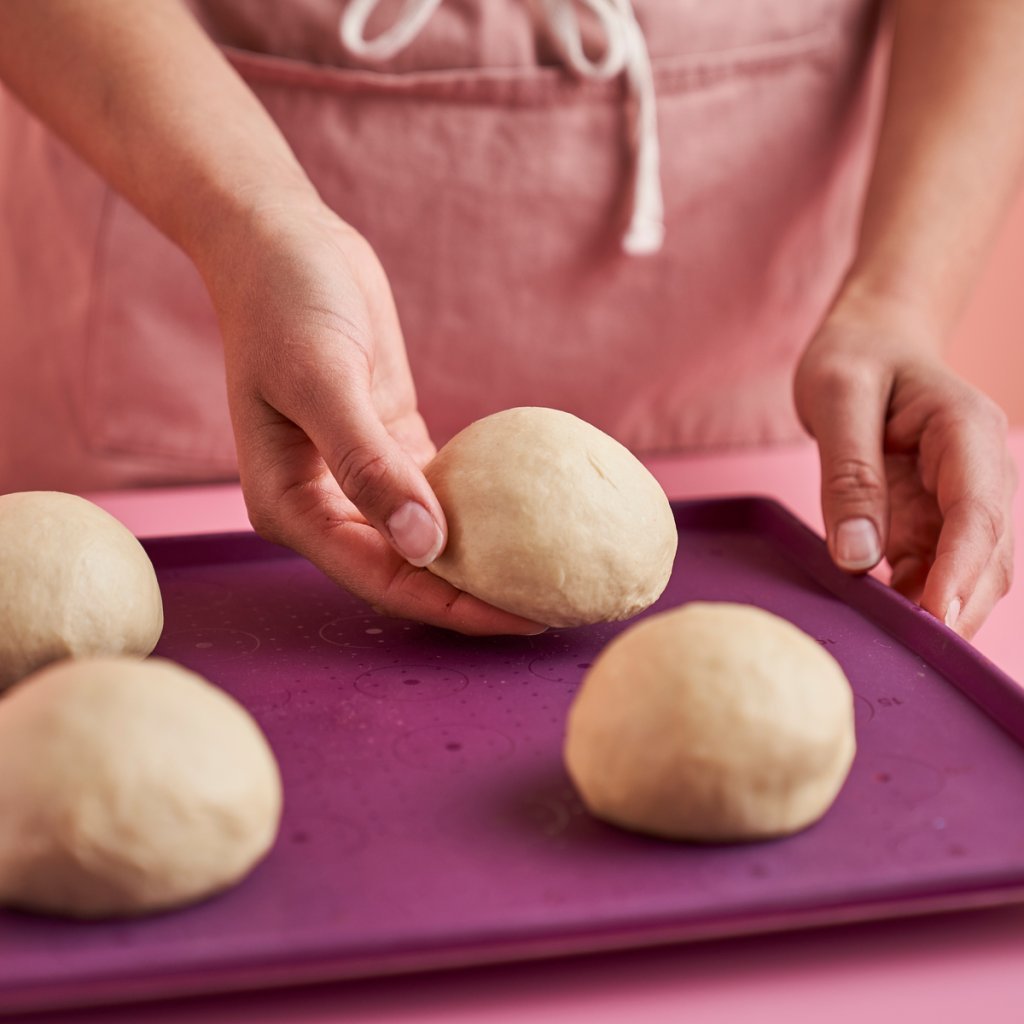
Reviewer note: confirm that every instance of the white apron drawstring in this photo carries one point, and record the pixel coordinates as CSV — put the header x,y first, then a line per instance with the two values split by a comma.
x,y
625,53
406,28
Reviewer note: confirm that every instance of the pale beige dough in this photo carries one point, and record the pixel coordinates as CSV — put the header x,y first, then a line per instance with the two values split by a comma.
x,y
128,786
712,722
73,582
552,519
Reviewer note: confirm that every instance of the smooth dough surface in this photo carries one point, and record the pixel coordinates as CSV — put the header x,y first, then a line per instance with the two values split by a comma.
x,y
552,519
128,786
73,582
712,722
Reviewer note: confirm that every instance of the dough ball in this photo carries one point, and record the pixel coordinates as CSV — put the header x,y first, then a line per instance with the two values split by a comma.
x,y
73,582
128,786
711,722
551,519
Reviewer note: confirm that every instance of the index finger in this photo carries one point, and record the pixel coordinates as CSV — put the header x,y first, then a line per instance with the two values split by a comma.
x,y
357,557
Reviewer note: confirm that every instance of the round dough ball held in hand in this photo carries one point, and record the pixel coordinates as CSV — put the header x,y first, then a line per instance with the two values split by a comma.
x,y
712,722
74,582
551,519
128,786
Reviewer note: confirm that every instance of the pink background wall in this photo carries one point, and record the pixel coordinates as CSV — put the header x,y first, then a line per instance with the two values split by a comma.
x,y
988,348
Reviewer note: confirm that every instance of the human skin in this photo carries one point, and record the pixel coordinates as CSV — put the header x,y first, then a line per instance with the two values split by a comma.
x,y
914,460
330,443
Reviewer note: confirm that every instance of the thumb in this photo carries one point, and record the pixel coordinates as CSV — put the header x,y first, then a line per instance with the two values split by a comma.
x,y
847,419
379,477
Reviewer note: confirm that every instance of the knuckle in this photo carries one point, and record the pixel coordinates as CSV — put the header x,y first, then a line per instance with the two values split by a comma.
x,y
1004,568
854,479
837,379
263,520
398,597
274,513
363,473
978,412
994,521
989,413
987,517
258,508
831,383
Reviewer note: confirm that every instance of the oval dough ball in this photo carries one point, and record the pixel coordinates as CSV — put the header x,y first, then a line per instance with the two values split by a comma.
x,y
712,722
128,786
551,519
73,582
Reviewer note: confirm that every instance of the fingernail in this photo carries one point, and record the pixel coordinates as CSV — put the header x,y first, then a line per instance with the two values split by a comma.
x,y
415,534
856,545
953,612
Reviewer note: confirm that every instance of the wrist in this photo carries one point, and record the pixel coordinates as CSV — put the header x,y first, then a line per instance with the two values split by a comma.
x,y
894,308
228,230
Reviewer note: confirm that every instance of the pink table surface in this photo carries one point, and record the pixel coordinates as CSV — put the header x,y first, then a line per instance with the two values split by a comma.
x,y
954,967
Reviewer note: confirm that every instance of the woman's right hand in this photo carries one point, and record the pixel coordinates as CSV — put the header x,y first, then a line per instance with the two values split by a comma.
x,y
330,443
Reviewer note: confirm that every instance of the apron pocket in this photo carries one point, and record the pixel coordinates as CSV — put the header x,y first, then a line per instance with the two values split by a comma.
x,y
496,199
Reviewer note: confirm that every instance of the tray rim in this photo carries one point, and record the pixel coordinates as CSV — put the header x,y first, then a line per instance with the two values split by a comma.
x,y
945,651
949,654
251,975
955,659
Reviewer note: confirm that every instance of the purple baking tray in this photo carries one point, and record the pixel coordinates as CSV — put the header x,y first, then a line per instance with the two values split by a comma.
x,y
429,821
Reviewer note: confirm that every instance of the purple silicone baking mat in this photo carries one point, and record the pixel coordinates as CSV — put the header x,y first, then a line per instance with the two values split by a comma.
x,y
429,820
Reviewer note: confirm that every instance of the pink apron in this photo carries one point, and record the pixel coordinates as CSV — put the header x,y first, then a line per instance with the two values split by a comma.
x,y
494,185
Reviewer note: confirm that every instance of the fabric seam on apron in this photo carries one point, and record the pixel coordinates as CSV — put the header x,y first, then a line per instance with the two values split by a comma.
x,y
530,84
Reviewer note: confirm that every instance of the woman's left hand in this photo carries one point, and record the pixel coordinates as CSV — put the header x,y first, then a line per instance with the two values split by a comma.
x,y
914,462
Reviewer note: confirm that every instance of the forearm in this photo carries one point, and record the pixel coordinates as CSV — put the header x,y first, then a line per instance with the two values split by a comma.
x,y
949,157
141,93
